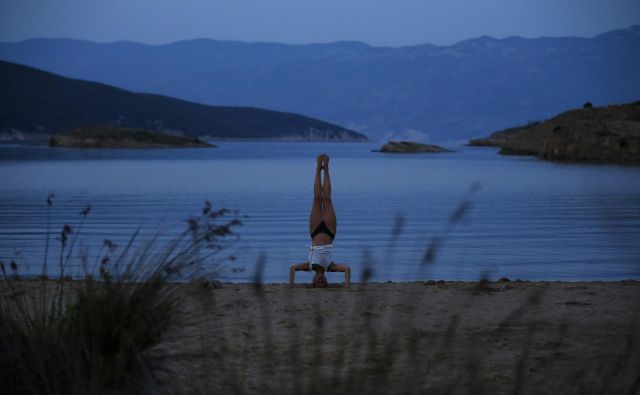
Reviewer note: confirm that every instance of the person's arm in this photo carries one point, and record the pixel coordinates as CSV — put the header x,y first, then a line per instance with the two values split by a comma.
x,y
294,269
336,267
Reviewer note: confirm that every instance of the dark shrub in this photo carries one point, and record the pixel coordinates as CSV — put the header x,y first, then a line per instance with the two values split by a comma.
x,y
94,334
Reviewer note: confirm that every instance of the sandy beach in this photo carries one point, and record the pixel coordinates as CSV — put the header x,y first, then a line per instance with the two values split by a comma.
x,y
418,337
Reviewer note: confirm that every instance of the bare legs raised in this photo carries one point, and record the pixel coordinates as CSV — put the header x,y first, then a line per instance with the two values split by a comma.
x,y
329,215
322,208
316,209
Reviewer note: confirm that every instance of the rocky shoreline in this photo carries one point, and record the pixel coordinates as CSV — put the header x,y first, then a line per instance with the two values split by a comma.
x,y
601,135
408,147
115,137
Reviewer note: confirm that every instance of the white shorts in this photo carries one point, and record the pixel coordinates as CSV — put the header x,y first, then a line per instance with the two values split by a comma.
x,y
321,255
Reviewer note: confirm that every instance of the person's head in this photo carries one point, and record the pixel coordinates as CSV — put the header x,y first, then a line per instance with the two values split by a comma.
x,y
319,280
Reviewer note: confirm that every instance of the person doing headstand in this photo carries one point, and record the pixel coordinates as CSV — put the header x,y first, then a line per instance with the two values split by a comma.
x,y
322,227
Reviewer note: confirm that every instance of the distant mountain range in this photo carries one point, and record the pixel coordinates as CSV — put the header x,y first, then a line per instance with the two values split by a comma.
x,y
36,104
446,92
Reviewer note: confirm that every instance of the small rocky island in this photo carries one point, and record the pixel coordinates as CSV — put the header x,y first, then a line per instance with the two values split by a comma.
x,y
408,147
118,137
606,134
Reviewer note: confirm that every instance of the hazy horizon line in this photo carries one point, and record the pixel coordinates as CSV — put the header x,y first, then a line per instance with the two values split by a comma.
x,y
630,27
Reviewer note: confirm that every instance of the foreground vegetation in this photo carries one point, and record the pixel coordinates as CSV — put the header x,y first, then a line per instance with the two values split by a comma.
x,y
134,324
95,334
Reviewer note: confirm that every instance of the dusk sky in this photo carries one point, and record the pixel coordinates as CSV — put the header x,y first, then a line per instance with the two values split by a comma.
x,y
376,22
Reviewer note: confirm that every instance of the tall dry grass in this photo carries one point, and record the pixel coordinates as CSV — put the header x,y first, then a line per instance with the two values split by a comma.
x,y
381,346
93,334
126,328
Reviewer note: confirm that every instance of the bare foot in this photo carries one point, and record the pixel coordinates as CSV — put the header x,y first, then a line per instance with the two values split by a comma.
x,y
319,161
325,162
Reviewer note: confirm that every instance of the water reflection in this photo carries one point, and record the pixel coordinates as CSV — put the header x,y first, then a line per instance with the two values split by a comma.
x,y
530,220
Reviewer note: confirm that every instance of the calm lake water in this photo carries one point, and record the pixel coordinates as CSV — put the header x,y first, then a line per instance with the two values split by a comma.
x,y
529,219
